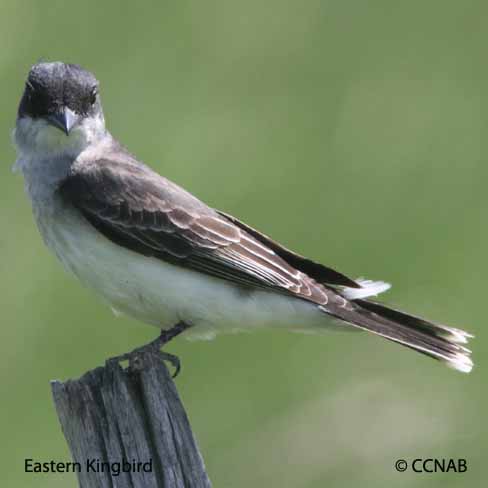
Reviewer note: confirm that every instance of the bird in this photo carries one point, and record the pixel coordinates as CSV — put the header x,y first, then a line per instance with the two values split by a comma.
x,y
154,252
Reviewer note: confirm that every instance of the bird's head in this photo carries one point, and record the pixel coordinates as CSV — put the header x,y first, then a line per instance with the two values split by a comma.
x,y
60,109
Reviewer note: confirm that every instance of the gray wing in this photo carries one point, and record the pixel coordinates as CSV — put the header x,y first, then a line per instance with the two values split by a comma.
x,y
136,208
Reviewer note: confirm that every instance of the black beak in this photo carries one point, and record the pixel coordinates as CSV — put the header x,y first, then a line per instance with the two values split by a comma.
x,y
65,119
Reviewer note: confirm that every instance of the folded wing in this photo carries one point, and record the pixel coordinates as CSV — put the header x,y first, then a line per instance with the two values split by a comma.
x,y
142,211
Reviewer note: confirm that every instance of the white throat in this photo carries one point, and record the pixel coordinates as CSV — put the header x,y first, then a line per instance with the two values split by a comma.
x,y
45,154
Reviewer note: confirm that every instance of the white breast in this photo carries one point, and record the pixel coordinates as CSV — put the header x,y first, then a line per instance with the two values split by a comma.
x,y
147,289
162,294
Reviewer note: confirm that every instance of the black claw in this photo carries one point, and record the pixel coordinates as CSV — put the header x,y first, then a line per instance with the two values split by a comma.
x,y
155,346
165,356
174,360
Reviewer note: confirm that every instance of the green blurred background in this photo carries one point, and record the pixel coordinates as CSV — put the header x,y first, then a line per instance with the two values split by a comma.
x,y
355,133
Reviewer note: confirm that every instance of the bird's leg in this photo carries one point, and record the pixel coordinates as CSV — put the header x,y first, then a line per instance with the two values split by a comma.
x,y
154,347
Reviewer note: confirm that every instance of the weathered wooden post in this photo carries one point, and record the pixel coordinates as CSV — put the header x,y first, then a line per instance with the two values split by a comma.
x,y
113,415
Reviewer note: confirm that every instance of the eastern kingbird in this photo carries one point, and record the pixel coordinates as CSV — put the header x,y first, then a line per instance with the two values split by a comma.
x,y
155,252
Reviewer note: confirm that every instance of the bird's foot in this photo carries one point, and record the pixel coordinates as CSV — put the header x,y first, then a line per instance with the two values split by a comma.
x,y
134,357
154,348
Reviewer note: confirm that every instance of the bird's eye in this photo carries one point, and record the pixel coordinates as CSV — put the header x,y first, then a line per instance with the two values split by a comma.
x,y
29,88
93,95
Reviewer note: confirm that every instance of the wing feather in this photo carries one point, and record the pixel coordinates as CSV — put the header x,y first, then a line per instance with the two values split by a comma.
x,y
142,211
317,271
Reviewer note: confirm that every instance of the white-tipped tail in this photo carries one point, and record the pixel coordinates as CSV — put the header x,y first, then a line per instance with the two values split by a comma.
x,y
368,289
457,335
462,362
439,341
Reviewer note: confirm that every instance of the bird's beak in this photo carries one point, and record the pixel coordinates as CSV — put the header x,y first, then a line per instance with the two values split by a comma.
x,y
64,119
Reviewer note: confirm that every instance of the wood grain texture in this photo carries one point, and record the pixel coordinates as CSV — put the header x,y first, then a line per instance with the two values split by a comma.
x,y
113,414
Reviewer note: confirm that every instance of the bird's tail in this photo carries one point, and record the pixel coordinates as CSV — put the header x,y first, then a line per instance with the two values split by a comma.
x,y
441,342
